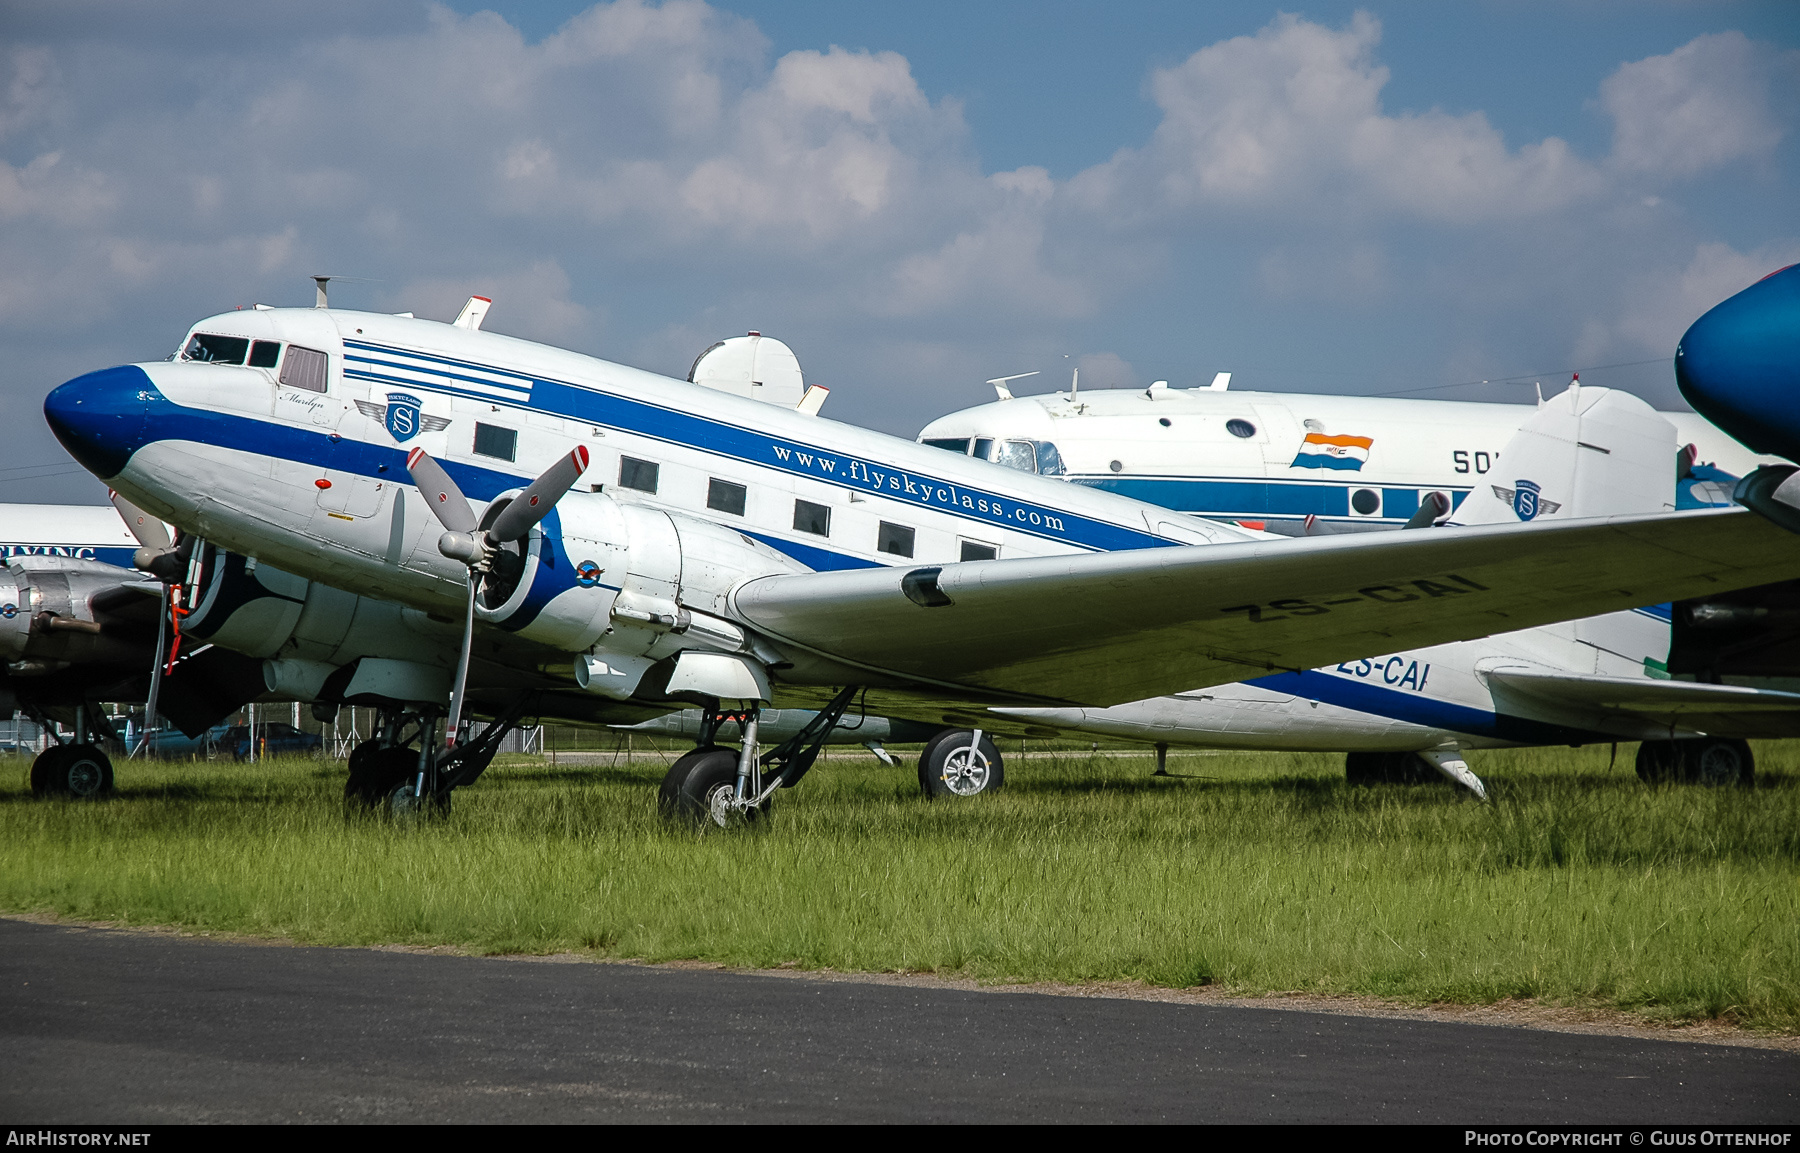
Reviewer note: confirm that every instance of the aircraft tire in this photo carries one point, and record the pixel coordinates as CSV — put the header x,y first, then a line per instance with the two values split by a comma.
x,y
668,794
711,776
947,769
1367,768
375,772
80,771
1660,762
1718,763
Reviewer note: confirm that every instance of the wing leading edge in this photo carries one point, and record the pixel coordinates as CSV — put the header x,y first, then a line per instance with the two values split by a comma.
x,y
1105,628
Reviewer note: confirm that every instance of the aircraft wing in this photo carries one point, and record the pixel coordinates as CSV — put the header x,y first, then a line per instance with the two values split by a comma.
x,y
1718,710
1105,628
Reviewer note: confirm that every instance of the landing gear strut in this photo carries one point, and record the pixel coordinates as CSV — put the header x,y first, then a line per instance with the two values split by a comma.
x,y
718,786
404,768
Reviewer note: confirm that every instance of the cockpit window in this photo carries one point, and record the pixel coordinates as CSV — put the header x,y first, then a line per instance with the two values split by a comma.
x,y
1017,454
958,445
216,349
1049,461
264,353
304,368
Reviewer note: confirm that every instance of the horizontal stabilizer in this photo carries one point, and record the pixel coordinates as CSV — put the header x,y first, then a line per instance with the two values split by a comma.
x,y
1643,695
1719,710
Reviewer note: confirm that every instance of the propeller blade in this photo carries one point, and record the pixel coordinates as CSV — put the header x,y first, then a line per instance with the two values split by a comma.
x,y
462,667
440,492
535,503
147,529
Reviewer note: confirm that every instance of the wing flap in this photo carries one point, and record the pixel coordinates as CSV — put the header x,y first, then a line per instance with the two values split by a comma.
x,y
1105,628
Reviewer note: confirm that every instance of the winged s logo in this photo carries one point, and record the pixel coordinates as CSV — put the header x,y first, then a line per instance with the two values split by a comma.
x,y
1527,499
403,417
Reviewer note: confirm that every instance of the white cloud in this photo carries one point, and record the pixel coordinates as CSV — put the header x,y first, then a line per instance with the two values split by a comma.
x,y
1292,117
1703,105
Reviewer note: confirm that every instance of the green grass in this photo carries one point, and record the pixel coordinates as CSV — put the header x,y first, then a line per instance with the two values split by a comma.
x,y
1256,873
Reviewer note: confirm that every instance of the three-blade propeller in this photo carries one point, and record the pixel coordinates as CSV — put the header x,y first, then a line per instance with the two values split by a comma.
x,y
466,541
157,556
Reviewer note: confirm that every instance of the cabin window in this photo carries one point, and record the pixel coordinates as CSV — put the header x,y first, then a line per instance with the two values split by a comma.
x,y
1240,428
639,474
894,538
216,349
303,368
264,353
725,496
813,518
1015,454
975,550
958,445
493,440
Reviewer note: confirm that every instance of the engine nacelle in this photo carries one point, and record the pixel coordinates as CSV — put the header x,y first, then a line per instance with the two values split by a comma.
x,y
49,617
306,631
624,577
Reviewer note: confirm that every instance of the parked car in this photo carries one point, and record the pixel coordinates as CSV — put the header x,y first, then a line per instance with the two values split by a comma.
x,y
173,744
273,738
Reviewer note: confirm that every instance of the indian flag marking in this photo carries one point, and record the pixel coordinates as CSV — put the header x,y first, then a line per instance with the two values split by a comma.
x,y
1321,451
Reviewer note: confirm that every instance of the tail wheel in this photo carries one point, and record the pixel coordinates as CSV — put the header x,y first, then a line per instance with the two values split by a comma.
x,y
704,793
80,771
954,764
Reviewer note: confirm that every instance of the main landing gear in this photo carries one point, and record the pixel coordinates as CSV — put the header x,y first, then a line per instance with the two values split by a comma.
x,y
404,769
1702,761
724,787
72,770
75,769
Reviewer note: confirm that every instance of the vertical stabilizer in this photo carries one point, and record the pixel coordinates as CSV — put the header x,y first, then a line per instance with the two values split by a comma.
x,y
1587,452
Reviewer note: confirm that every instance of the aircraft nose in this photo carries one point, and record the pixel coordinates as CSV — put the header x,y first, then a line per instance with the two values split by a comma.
x,y
1739,365
99,418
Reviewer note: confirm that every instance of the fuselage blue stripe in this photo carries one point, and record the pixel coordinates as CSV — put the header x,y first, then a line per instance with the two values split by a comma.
x,y
1418,709
522,391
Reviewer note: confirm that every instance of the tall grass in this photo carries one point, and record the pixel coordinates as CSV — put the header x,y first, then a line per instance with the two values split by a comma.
x,y
1254,872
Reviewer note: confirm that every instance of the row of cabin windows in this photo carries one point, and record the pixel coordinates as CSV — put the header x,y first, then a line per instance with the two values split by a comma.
x,y
303,367
729,497
809,517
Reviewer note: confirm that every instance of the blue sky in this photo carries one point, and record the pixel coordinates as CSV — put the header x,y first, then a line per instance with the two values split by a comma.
x,y
1371,198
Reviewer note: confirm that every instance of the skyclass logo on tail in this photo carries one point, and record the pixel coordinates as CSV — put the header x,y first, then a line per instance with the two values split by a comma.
x,y
1342,452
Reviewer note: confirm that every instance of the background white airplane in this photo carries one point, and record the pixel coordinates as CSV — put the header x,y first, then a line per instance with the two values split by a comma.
x,y
1401,715
731,546
1287,462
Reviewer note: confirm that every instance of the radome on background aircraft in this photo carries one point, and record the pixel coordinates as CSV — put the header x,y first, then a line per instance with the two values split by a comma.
x,y
721,549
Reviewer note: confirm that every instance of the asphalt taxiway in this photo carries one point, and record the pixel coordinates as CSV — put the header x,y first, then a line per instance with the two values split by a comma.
x,y
104,1026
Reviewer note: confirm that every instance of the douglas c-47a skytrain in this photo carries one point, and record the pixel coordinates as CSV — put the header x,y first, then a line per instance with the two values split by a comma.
x,y
681,544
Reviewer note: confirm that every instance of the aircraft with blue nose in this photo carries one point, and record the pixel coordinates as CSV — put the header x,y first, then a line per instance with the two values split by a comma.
x,y
1739,364
713,541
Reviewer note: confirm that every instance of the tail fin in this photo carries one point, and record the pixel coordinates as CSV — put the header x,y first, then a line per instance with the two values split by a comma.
x,y
1587,452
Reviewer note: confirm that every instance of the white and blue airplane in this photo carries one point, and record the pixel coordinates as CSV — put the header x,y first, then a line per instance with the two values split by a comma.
x,y
1402,714
684,544
1291,463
